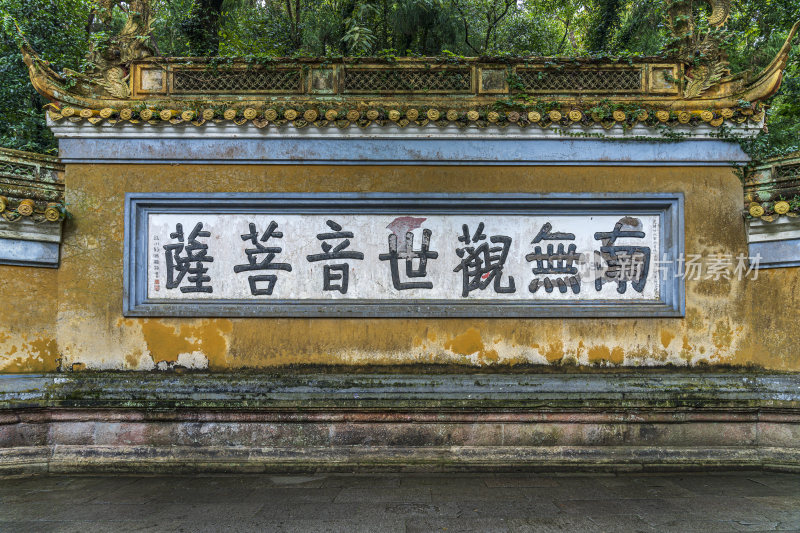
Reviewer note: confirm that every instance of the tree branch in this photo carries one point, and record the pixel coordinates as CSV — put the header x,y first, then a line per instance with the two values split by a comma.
x,y
493,19
466,25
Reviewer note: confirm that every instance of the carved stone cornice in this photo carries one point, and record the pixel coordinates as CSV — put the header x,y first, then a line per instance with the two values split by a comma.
x,y
31,208
31,186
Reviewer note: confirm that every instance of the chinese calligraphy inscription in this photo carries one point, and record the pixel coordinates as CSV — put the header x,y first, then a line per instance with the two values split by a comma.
x,y
390,257
331,260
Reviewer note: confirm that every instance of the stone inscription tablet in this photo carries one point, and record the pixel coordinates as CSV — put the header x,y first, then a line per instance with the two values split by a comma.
x,y
402,255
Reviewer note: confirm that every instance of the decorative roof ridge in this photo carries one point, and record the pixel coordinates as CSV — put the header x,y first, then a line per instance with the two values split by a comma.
x,y
31,187
44,159
621,60
365,115
32,210
161,83
777,160
126,75
772,189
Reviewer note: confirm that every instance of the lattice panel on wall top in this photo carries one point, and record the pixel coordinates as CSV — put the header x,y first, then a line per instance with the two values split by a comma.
x,y
589,80
407,81
786,177
236,81
20,180
787,172
18,169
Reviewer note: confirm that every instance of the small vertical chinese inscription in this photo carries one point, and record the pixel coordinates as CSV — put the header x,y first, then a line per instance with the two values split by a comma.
x,y
156,256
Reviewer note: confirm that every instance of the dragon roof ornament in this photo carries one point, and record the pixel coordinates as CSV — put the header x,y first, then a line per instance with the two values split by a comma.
x,y
127,83
700,51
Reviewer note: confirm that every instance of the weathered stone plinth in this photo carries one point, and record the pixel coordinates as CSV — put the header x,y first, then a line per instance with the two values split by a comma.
x,y
298,422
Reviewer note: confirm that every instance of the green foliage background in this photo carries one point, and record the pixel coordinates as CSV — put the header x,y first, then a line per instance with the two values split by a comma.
x,y
61,31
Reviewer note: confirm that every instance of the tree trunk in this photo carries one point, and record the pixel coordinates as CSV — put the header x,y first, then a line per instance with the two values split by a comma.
x,y
202,28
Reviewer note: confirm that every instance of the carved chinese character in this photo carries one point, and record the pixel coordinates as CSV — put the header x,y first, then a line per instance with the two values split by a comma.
x,y
268,253
557,262
335,277
482,265
401,247
622,264
184,258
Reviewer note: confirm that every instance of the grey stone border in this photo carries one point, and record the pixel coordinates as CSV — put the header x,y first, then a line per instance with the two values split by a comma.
x,y
434,152
668,391
389,145
777,243
776,254
21,252
668,206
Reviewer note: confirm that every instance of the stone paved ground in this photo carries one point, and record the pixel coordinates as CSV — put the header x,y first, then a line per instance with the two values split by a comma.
x,y
405,502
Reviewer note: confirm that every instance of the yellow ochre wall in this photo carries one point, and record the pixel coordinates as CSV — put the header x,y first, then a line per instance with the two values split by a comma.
x,y
73,316
28,319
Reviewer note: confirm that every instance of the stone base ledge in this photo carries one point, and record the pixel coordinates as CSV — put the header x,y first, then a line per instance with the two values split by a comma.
x,y
190,423
64,440
75,459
